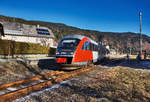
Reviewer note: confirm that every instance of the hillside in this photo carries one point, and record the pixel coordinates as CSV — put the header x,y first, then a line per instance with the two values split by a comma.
x,y
121,42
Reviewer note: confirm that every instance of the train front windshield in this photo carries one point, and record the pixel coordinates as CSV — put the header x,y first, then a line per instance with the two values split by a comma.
x,y
68,44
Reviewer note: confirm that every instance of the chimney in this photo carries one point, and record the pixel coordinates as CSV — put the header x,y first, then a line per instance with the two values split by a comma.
x,y
38,26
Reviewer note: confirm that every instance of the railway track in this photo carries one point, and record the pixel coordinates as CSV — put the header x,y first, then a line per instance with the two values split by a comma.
x,y
14,90
113,62
17,89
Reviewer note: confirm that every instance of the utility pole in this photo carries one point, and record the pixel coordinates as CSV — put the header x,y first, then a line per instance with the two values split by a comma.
x,y
130,50
140,14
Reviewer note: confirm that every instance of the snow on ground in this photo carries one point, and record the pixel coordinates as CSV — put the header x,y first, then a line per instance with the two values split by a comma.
x,y
147,63
39,92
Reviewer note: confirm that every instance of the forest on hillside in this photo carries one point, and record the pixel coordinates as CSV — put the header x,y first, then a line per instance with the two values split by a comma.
x,y
120,42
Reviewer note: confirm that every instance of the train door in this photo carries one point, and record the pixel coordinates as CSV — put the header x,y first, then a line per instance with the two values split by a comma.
x,y
95,53
83,53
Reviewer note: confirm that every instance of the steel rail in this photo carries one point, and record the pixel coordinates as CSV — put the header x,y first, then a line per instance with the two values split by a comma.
x,y
38,77
10,96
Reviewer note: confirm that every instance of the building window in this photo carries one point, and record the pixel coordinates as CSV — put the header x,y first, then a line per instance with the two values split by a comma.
x,y
1,30
42,31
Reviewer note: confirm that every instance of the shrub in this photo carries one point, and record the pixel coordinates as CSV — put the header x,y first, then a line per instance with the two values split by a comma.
x,y
23,48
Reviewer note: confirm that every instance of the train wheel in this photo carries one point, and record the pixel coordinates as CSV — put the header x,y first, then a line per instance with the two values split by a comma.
x,y
90,63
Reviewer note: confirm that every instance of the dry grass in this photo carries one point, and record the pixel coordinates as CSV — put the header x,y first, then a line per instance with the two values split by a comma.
x,y
13,71
118,84
125,84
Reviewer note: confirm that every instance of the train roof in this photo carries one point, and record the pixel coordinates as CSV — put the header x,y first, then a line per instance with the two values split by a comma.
x,y
74,36
79,37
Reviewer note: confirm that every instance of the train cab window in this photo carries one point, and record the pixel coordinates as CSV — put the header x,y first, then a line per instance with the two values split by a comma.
x,y
86,46
69,44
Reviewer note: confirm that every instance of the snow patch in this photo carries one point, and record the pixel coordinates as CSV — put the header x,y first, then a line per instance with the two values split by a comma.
x,y
1,92
11,89
101,99
147,63
23,86
41,80
39,92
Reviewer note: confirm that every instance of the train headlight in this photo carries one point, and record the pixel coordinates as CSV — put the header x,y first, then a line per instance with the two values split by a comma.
x,y
63,53
71,53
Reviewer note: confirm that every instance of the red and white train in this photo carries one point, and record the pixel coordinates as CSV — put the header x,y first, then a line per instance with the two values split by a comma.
x,y
79,50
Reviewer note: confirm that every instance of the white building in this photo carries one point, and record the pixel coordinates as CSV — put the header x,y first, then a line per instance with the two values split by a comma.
x,y
27,33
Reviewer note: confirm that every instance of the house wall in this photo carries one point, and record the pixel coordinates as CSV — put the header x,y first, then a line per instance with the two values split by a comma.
x,y
27,33
29,39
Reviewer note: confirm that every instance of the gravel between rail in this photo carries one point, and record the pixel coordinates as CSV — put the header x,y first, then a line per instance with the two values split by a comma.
x,y
123,83
100,85
13,71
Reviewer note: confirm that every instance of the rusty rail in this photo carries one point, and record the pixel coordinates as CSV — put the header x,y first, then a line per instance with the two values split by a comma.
x,y
38,77
25,91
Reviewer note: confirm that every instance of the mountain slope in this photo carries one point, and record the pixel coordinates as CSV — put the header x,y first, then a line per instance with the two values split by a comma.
x,y
121,42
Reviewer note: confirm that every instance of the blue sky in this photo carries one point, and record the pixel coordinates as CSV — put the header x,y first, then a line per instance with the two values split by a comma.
x,y
101,15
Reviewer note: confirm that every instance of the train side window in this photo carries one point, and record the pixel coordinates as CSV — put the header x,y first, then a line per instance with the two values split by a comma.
x,y
86,46
90,46
95,47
